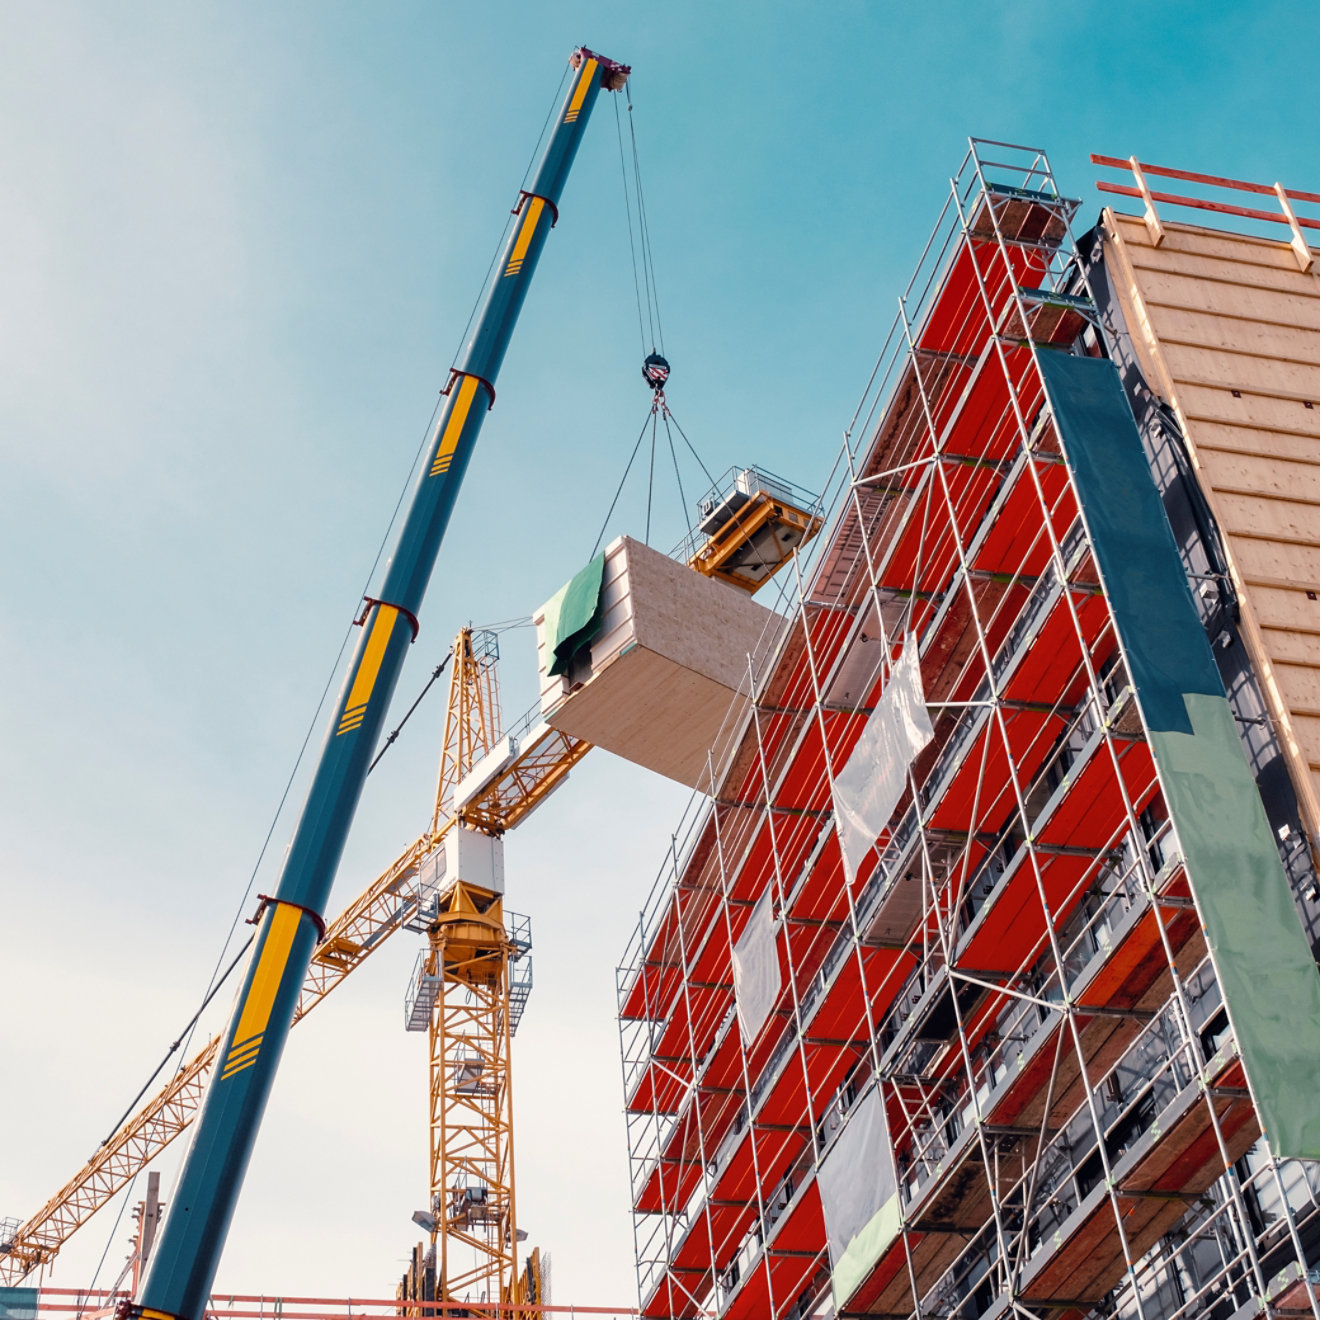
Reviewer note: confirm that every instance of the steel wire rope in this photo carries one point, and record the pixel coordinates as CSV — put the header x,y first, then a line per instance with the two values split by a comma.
x,y
644,228
678,476
183,1035
417,701
641,435
504,625
650,478
669,413
316,716
216,979
627,207
100,1264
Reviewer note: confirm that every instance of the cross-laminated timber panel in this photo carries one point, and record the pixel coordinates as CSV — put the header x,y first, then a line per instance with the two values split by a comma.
x,y
1227,328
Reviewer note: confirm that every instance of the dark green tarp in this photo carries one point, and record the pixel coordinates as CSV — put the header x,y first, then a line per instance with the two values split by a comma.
x,y
573,616
18,1303
1269,979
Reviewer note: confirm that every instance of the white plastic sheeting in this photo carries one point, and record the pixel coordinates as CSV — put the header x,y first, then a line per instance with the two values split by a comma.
x,y
859,1196
756,978
868,788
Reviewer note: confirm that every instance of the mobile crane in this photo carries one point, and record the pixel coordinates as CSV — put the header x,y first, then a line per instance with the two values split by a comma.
x,y
290,925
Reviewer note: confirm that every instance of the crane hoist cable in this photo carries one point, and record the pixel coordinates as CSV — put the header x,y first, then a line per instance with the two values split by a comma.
x,y
655,368
659,412
216,979
641,435
185,1035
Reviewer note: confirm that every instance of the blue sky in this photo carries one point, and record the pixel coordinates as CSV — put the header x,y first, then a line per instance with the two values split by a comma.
x,y
238,245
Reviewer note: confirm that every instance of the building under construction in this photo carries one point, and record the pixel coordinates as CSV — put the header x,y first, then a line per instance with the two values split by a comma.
x,y
982,980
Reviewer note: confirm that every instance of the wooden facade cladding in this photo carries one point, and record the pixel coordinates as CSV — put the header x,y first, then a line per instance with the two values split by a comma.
x,y
1227,329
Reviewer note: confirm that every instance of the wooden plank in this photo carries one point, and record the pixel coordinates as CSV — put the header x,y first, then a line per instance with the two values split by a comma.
x,y
1270,518
1292,645
1166,291
1263,475
1294,441
1214,404
1219,325
1300,685
1279,561
1207,273
1182,240
1308,734
1239,371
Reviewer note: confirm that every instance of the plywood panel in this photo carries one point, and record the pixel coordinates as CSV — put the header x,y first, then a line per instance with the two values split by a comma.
x,y
1289,379
1206,256
1215,244
1308,731
1293,434
1274,561
1213,401
1227,328
1300,685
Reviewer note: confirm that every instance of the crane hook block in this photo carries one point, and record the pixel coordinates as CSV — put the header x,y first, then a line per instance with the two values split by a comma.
x,y
655,371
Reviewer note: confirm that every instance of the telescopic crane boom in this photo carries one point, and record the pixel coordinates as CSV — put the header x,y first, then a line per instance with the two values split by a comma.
x,y
192,1238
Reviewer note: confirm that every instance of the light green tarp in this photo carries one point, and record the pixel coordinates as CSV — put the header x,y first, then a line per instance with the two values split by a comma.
x,y
1269,979
573,616
859,1196
18,1303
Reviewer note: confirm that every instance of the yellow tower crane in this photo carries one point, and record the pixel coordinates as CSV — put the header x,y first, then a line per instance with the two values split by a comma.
x,y
489,781
471,984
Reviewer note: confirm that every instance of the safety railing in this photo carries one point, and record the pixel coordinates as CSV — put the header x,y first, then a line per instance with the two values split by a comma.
x,y
1283,213
100,1304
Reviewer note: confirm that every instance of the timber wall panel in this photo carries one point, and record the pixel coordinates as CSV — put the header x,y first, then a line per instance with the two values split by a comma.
x,y
1227,328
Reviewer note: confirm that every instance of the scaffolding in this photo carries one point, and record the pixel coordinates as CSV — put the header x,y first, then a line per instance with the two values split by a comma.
x,y
1013,987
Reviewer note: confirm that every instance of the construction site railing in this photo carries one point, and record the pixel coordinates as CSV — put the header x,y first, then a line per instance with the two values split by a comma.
x,y
96,1304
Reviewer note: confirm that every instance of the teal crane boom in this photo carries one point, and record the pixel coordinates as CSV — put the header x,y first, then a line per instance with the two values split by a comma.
x,y
192,1238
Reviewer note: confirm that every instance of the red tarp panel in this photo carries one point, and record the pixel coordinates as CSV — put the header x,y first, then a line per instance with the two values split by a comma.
x,y
842,1011
1017,541
957,321
668,1188
652,993
986,427
1012,930
1092,813
828,1065
1051,671
961,808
